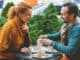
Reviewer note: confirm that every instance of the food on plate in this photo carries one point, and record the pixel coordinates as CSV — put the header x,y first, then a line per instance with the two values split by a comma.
x,y
39,54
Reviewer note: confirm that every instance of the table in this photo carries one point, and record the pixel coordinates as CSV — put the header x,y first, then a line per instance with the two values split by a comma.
x,y
56,56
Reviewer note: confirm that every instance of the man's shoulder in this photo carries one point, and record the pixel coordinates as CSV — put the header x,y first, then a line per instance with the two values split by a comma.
x,y
77,26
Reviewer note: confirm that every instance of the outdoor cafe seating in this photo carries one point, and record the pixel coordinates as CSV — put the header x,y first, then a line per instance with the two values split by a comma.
x,y
48,54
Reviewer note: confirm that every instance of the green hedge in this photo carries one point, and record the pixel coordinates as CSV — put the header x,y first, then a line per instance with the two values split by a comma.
x,y
44,24
6,8
2,21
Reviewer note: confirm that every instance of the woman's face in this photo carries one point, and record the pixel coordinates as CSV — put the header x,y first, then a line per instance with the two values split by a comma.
x,y
26,16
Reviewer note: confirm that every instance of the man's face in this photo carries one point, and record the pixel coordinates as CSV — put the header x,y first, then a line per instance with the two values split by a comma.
x,y
65,15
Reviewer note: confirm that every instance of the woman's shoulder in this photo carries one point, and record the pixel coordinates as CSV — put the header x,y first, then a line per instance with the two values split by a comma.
x,y
7,26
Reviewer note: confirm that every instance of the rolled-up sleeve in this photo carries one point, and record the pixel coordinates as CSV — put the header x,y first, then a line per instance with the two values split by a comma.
x,y
73,43
55,36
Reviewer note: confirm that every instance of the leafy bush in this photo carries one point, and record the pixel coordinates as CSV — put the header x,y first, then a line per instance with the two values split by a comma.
x,y
3,17
44,24
35,27
6,8
2,21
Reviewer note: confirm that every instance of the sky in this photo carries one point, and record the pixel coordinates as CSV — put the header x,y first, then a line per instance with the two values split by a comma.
x,y
56,2
14,1
59,2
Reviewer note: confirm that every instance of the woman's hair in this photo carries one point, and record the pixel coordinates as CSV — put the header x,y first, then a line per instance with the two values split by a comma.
x,y
20,8
11,12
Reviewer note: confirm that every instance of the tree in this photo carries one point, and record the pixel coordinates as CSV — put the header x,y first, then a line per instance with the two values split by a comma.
x,y
35,27
44,23
2,21
52,23
6,8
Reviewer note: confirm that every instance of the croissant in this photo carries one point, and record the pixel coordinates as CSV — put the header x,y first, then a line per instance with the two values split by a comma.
x,y
39,54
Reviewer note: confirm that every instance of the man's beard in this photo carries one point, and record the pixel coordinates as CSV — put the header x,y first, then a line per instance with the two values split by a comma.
x,y
65,21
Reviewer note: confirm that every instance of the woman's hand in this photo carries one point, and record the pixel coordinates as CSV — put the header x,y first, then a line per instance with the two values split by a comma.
x,y
25,28
25,50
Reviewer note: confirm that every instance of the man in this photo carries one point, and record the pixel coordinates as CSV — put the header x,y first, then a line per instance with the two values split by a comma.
x,y
69,33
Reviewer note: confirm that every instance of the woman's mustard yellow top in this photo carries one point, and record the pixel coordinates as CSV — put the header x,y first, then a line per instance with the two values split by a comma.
x,y
11,36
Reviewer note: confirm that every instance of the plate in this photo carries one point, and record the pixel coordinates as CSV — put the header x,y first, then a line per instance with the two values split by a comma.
x,y
45,56
48,55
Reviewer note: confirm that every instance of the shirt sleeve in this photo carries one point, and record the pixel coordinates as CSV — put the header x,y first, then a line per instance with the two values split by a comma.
x,y
4,42
6,38
73,43
55,36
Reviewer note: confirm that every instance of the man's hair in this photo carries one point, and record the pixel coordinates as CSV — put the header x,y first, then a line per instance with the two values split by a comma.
x,y
72,8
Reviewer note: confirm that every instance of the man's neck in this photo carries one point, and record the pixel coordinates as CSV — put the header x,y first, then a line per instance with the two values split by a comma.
x,y
72,21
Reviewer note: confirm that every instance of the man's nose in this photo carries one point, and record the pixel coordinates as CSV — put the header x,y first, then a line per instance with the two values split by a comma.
x,y
62,17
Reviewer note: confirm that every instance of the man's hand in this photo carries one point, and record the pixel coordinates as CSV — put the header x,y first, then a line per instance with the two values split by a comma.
x,y
42,36
46,41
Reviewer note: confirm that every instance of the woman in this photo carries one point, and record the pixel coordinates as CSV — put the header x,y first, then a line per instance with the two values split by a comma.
x,y
14,36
